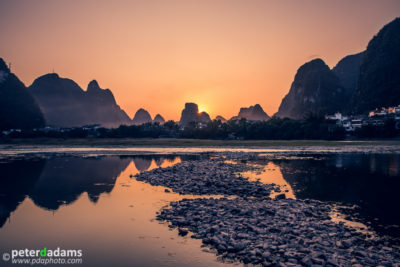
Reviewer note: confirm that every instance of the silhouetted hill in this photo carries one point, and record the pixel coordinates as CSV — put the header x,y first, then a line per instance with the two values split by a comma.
x,y
141,116
65,104
18,108
104,108
191,114
379,78
61,100
158,118
347,70
204,117
315,89
252,113
220,118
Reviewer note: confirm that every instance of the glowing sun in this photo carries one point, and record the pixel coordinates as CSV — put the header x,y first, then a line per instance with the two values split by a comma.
x,y
202,109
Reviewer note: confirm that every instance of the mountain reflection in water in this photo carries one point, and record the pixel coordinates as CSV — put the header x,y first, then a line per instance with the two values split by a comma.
x,y
103,211
93,203
57,181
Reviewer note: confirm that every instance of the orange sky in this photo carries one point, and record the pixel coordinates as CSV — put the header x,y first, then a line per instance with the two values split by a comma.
x,y
158,55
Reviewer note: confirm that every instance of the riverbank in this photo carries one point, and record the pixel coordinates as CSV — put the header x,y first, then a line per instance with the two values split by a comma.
x,y
175,142
179,146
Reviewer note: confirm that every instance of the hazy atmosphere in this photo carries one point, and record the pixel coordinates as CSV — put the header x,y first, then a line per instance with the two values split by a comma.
x,y
223,55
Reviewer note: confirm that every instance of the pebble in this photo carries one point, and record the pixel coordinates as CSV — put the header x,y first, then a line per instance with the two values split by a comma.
x,y
276,232
253,228
208,177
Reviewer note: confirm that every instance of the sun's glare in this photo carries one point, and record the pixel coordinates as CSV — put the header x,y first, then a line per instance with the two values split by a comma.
x,y
202,109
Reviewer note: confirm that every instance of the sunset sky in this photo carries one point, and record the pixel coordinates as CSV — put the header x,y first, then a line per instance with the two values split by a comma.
x,y
157,55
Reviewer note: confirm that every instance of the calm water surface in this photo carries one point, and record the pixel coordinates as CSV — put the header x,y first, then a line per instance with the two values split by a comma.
x,y
369,182
92,203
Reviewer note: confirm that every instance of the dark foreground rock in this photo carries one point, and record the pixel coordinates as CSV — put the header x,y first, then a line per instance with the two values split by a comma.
x,y
206,177
275,232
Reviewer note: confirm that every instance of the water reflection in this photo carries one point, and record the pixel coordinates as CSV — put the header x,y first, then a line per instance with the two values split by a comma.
x,y
149,162
370,181
142,164
271,174
106,213
55,181
92,203
64,179
18,177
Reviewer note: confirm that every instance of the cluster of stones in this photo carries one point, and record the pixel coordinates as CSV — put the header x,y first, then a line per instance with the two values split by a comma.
x,y
255,229
277,232
207,177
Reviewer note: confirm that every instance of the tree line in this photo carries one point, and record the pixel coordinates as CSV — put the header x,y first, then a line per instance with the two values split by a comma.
x,y
312,127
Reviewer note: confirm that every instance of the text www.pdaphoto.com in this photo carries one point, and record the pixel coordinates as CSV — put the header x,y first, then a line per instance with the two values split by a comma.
x,y
44,256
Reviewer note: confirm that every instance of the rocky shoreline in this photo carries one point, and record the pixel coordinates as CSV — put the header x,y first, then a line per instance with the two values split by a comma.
x,y
277,232
252,228
207,177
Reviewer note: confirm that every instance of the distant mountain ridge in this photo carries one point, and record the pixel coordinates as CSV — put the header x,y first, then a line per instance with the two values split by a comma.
x,y
159,119
191,114
18,108
104,108
220,118
364,81
65,104
141,116
357,84
315,89
347,70
252,113
379,76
